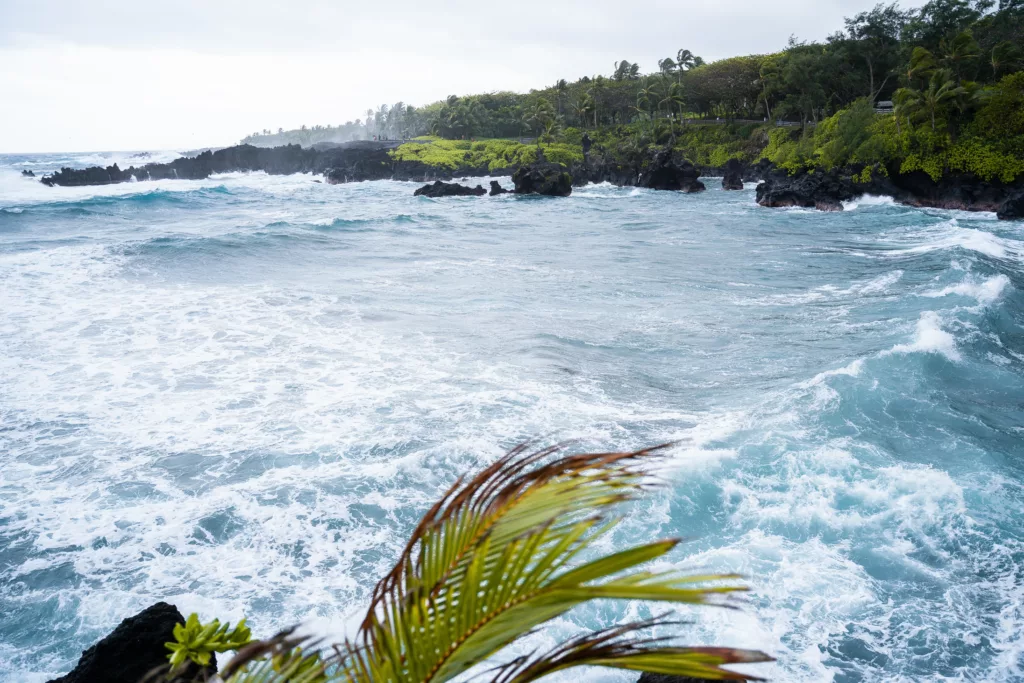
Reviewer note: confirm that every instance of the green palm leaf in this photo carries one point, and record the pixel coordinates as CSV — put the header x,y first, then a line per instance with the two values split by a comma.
x,y
500,554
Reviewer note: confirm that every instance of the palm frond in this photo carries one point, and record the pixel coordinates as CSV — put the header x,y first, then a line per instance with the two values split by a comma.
x,y
502,553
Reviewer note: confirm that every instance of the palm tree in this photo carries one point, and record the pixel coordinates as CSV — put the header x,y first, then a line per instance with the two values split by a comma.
x,y
959,51
551,131
583,105
561,89
931,100
674,99
685,60
500,555
597,88
922,64
648,95
1004,56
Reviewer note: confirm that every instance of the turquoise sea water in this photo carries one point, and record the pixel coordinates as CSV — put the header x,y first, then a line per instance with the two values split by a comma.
x,y
238,394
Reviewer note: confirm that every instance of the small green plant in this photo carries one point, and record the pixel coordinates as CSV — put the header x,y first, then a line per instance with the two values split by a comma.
x,y
196,642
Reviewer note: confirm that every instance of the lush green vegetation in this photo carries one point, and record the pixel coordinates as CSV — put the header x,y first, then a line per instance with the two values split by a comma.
x,y
500,554
952,68
490,154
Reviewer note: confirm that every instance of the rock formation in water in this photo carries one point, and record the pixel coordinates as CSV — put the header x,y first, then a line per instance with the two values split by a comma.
x,y
668,170
442,189
28,174
732,175
824,191
544,178
1012,209
497,189
133,649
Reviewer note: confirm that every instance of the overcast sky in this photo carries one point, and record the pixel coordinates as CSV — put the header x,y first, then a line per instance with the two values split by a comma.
x,y
91,75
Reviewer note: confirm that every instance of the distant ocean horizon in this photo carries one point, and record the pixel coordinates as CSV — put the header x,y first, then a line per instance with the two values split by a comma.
x,y
239,394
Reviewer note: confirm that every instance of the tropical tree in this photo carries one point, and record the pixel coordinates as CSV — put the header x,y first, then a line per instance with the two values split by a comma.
x,y
686,60
1004,57
561,90
875,37
673,100
626,71
932,101
598,87
499,555
583,105
959,52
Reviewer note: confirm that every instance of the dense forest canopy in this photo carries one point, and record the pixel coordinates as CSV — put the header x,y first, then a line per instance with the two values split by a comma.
x,y
969,43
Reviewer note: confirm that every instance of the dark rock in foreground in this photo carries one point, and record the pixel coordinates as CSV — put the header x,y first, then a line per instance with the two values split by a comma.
x,y
28,174
497,189
665,678
442,189
1012,209
732,177
544,178
668,170
133,649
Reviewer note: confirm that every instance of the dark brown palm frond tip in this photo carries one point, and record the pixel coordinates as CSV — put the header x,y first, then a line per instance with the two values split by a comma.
x,y
621,648
490,491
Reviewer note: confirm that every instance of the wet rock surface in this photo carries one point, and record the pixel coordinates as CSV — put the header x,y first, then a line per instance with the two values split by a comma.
x,y
443,189
133,650
1012,209
668,170
546,178
732,175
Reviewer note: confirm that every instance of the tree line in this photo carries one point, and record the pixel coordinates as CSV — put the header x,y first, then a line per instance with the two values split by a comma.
x,y
934,62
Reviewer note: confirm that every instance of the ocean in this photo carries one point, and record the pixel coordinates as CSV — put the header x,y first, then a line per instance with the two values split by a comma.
x,y
239,394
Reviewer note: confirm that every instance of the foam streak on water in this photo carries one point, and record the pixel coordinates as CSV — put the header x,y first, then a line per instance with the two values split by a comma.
x,y
239,394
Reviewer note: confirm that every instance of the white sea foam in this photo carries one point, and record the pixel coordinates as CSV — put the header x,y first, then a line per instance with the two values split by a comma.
x,y
949,235
986,292
929,338
868,200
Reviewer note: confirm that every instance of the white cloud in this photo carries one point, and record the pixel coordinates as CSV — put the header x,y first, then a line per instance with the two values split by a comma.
x,y
119,74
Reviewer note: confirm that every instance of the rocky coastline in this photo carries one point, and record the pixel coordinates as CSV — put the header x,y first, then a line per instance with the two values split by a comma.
x,y
827,190
658,168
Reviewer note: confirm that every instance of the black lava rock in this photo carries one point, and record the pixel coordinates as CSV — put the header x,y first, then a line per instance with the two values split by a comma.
x,y
1012,209
133,650
732,178
665,678
825,191
28,174
668,170
496,188
442,189
544,178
